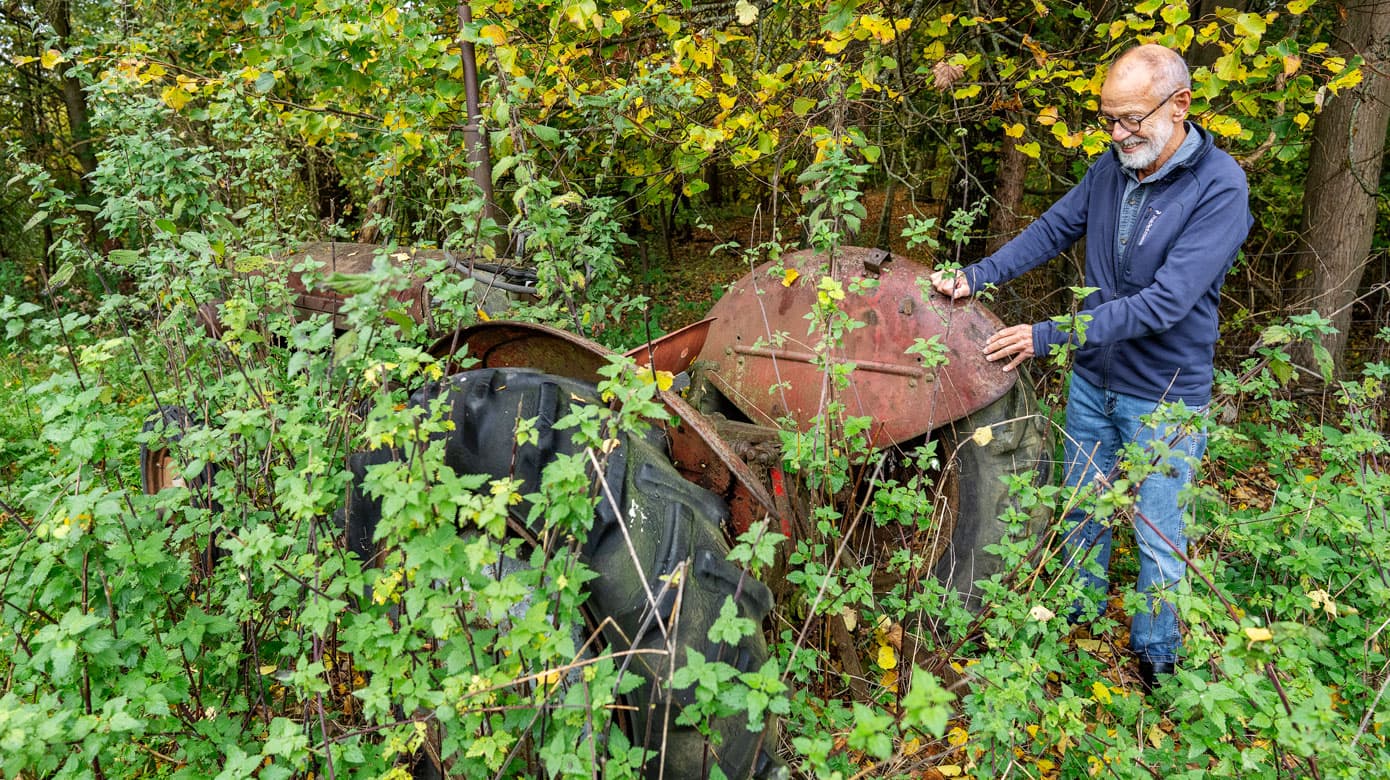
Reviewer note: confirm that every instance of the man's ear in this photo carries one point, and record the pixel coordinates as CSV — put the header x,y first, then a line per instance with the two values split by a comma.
x,y
1181,103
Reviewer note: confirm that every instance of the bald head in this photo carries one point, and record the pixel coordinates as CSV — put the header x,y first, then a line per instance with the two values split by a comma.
x,y
1162,67
1143,105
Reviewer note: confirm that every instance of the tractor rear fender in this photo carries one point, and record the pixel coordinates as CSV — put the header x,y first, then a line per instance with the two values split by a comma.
x,y
764,362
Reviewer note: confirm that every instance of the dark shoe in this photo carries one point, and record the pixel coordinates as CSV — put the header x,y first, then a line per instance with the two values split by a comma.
x,y
1152,673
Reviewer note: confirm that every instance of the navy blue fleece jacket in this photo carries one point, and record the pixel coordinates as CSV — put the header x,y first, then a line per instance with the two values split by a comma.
x,y
1153,325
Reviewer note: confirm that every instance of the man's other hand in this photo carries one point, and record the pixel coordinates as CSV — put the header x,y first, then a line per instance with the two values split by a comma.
x,y
1014,343
951,284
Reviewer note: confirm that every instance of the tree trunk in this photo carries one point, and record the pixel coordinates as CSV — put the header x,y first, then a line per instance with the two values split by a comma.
x,y
74,99
1339,201
1008,196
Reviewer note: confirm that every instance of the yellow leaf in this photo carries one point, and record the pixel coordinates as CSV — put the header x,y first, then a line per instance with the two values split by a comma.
x,y
835,44
1155,735
1048,116
1031,149
1258,634
1301,119
621,15
267,669
1100,693
966,92
949,770
483,316
957,736
494,33
790,275
155,70
1014,130
1291,64
51,59
889,680
982,435
850,617
412,138
1225,126
887,657
1095,143
175,97
664,380
1347,80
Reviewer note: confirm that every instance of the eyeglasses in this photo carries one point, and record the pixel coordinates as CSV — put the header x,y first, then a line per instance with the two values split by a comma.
x,y
1132,123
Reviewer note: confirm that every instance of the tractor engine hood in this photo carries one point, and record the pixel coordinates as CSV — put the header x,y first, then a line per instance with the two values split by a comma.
x,y
764,358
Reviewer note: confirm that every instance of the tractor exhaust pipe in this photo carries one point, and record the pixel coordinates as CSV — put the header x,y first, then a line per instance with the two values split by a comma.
x,y
472,131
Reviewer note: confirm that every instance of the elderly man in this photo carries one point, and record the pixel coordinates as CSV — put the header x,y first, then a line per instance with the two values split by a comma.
x,y
1164,213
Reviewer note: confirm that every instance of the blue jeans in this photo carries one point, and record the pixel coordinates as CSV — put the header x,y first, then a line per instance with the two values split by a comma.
x,y
1099,424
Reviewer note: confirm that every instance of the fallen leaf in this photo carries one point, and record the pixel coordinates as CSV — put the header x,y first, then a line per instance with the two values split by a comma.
x,y
887,657
1100,692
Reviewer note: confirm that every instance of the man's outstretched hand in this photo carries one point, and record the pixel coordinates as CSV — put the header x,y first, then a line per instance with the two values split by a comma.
x,y
1014,343
951,284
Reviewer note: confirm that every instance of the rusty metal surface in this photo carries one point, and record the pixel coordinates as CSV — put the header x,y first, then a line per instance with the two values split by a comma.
x,y
348,258
696,449
676,350
503,344
703,457
765,361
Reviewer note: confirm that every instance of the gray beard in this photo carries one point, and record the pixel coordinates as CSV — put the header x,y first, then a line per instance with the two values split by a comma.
x,y
1147,154
1140,159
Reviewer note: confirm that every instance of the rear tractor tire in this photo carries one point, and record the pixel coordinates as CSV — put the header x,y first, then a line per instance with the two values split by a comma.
x,y
671,522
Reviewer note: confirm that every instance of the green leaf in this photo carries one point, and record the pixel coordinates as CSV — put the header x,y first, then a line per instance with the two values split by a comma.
x,y
123,256
264,82
1251,25
729,628
926,704
448,88
839,15
668,25
39,216
545,133
195,242
61,276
